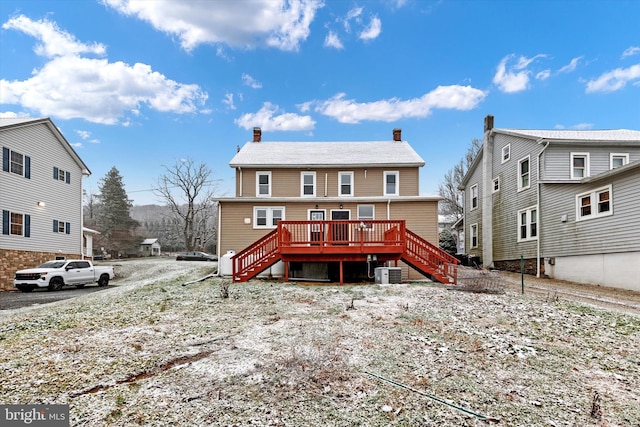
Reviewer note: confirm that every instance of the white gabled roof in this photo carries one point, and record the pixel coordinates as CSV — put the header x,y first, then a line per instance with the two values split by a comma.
x,y
149,241
613,135
326,154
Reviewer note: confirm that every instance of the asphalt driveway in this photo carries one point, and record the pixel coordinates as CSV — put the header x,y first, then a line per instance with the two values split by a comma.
x,y
10,300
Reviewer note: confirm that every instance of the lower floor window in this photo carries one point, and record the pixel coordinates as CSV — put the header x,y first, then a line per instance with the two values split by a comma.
x,y
474,236
267,216
17,224
528,224
594,204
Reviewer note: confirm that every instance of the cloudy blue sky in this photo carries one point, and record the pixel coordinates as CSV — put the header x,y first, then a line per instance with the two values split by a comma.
x,y
139,84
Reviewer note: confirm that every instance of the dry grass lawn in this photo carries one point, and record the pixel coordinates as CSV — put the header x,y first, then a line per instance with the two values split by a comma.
x,y
153,352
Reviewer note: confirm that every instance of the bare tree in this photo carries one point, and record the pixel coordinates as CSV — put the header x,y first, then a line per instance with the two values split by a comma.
x,y
452,203
187,189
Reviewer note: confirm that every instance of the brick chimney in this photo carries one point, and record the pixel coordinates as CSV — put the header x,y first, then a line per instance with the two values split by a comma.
x,y
397,134
488,123
257,134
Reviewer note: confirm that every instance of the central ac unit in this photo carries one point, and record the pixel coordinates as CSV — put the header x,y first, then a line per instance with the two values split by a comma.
x,y
386,275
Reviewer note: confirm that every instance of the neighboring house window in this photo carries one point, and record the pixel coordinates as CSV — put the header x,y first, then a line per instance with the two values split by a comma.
x,y
263,184
579,165
474,196
308,184
474,236
496,184
345,183
61,175
618,159
391,180
15,162
267,216
506,153
594,204
61,227
528,224
16,224
524,174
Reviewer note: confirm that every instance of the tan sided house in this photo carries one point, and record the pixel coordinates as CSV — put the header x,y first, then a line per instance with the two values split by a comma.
x,y
330,211
40,196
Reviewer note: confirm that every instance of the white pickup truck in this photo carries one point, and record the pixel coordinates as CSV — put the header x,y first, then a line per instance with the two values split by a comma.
x,y
56,274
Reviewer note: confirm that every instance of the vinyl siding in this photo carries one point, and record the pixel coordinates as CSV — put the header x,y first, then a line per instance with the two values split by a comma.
x,y
473,216
557,159
368,182
508,201
609,234
63,201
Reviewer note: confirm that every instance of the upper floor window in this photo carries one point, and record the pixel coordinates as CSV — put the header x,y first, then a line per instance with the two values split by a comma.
x,y
618,159
524,174
61,227
345,183
263,184
61,175
506,153
391,183
17,224
15,162
579,165
496,184
528,224
474,196
594,204
267,216
308,184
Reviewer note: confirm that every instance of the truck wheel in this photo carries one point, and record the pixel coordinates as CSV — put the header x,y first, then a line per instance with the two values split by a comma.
x,y
56,284
103,280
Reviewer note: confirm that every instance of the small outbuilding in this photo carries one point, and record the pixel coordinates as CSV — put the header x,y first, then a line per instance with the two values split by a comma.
x,y
150,247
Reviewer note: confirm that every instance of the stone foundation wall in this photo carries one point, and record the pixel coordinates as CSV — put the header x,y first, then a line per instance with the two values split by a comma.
x,y
12,260
514,265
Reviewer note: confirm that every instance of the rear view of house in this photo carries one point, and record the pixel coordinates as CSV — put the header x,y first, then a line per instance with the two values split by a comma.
x,y
40,196
330,211
565,201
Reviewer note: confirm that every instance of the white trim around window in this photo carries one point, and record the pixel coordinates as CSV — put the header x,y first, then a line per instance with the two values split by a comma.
x,y
307,184
345,184
580,165
391,183
263,184
496,185
528,224
618,159
473,197
594,204
506,153
267,216
524,173
473,234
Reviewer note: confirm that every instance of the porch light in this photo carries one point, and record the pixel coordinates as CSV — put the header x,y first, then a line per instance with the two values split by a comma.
x,y
340,205
41,204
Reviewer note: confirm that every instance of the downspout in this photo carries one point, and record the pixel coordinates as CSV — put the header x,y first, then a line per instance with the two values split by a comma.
x,y
538,241
219,240
326,175
240,189
388,209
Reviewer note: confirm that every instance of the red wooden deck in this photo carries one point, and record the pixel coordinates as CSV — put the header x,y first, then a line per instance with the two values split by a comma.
x,y
342,241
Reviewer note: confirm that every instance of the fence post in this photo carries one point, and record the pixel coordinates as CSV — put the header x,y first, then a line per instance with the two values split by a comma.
x,y
522,272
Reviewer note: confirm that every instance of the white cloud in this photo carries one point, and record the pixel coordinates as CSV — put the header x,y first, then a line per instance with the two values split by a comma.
x,y
543,75
9,115
71,86
332,40
514,78
633,50
54,41
570,66
373,30
228,101
614,80
247,80
269,118
579,126
83,134
240,23
443,97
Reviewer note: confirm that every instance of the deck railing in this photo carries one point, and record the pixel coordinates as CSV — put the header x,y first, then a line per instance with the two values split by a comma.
x,y
338,234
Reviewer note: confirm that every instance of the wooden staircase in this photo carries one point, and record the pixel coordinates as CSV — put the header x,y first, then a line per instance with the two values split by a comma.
x,y
397,243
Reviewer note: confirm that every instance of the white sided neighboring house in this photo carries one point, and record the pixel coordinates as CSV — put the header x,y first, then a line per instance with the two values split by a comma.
x,y
41,196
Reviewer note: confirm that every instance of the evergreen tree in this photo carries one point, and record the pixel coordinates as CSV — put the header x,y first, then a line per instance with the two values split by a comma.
x,y
448,242
112,216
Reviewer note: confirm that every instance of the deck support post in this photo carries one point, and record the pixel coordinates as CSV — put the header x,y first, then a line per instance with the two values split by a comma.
x,y
286,271
341,274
